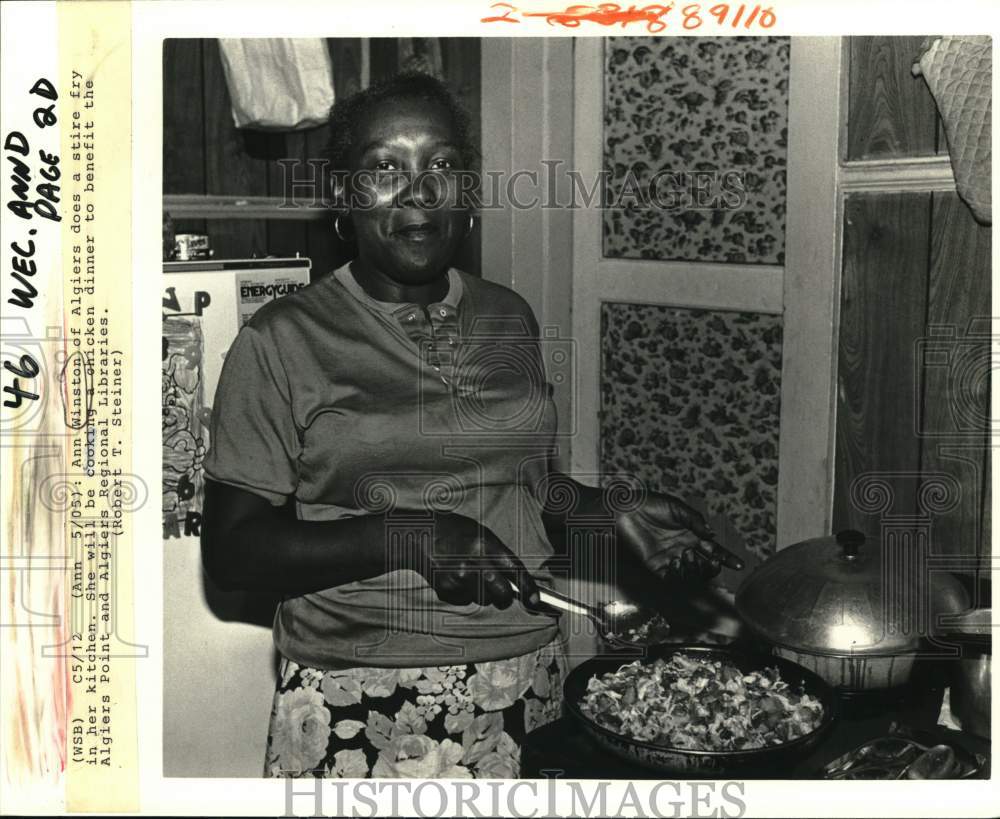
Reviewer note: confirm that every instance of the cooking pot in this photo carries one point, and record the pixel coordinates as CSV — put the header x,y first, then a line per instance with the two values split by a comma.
x,y
970,692
852,610
970,675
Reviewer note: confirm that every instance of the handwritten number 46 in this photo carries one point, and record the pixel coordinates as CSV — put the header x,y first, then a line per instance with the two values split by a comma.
x,y
44,206
28,369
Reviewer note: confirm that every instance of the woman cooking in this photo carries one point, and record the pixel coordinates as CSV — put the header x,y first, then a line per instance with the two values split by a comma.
x,y
391,401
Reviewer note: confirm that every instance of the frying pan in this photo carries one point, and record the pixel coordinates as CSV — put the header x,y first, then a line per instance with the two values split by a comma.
x,y
772,760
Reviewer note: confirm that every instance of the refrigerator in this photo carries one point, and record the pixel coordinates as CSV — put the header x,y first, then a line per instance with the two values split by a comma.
x,y
218,656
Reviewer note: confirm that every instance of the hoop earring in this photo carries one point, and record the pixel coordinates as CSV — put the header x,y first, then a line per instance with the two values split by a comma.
x,y
336,228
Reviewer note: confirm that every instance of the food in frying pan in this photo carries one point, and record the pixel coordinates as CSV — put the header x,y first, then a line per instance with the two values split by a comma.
x,y
692,703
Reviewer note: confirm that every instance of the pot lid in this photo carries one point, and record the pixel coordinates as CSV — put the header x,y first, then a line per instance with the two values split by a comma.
x,y
848,594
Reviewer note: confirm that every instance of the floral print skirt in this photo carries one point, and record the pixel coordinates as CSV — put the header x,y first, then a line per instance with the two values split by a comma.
x,y
456,721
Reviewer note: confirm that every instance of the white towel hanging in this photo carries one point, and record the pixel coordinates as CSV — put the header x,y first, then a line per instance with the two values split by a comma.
x,y
278,83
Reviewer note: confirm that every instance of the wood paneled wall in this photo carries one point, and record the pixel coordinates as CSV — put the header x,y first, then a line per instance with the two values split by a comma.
x,y
883,312
204,153
891,112
914,357
914,363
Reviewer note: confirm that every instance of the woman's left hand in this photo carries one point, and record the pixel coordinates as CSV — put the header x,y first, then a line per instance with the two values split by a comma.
x,y
672,540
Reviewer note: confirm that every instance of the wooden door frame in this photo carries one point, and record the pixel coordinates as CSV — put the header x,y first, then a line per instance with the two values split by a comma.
x,y
813,232
527,117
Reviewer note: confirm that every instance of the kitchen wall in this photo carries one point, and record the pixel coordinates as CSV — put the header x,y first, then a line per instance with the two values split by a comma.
x,y
913,370
205,154
914,362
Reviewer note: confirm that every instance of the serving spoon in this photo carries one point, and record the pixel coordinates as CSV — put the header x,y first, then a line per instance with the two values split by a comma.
x,y
610,619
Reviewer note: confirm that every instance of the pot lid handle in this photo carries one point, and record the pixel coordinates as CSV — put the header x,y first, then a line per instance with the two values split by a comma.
x,y
851,541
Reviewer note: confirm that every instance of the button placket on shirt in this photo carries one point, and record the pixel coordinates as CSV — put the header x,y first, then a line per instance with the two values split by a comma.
x,y
427,336
444,321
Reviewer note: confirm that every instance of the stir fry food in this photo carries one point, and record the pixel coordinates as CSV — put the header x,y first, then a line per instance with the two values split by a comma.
x,y
692,703
652,630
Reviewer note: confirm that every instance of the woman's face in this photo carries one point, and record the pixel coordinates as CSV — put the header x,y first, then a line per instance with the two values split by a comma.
x,y
404,213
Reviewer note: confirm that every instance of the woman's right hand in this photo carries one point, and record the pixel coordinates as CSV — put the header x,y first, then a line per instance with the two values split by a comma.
x,y
249,544
467,563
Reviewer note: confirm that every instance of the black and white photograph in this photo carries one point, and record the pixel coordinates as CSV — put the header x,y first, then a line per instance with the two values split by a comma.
x,y
604,407
564,410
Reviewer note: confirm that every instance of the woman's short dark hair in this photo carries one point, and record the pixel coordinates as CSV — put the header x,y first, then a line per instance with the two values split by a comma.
x,y
348,112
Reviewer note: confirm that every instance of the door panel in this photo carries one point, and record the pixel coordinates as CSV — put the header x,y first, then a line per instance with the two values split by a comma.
x,y
685,303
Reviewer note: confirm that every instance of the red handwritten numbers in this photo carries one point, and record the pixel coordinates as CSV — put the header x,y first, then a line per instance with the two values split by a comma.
x,y
763,17
653,16
507,9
